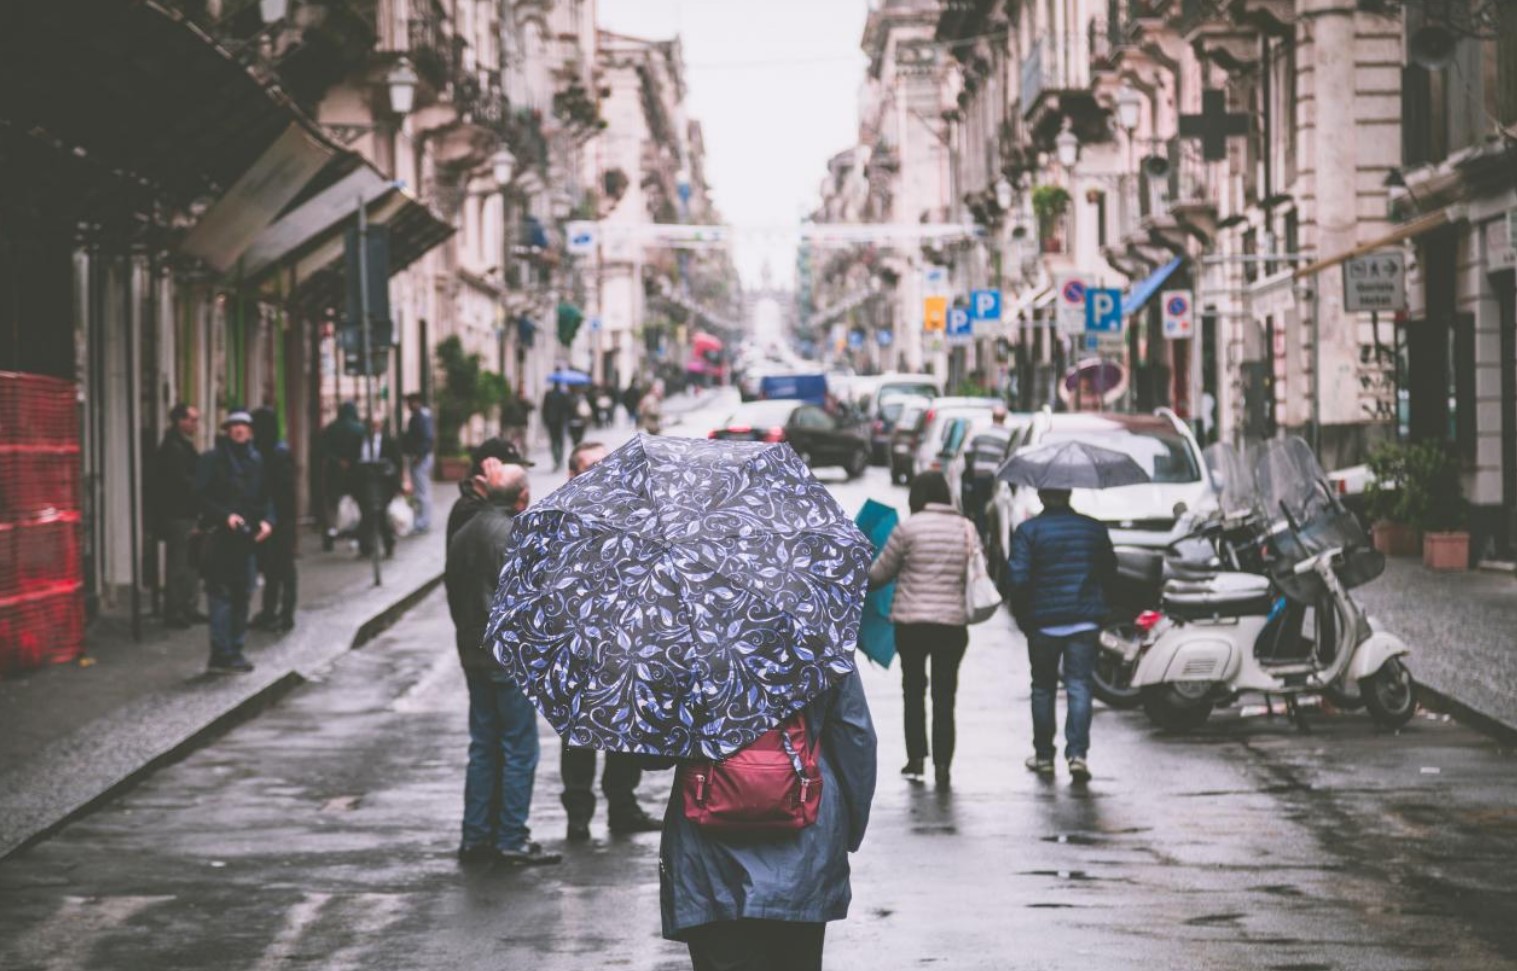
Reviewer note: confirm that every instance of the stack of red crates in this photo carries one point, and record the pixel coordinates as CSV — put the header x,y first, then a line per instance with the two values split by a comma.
x,y
41,585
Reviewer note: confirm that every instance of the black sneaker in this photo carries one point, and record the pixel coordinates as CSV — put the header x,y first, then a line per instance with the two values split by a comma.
x,y
941,777
1040,766
480,854
578,832
528,854
230,665
264,621
1079,770
639,822
912,769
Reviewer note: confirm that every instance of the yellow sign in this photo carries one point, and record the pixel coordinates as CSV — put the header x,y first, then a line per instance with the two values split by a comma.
x,y
935,314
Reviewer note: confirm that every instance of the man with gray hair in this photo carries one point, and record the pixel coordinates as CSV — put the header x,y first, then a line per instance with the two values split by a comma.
x,y
503,747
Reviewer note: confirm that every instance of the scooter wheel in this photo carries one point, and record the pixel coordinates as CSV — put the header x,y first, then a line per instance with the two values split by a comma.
x,y
1111,682
1344,696
1174,710
1390,694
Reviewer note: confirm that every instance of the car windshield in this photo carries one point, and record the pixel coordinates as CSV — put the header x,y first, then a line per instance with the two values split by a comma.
x,y
763,414
890,409
1164,455
896,390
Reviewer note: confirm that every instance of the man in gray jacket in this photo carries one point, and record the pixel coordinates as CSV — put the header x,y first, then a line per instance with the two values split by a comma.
x,y
503,745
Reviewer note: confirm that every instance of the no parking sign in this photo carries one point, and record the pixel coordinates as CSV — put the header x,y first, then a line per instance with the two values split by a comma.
x,y
1179,313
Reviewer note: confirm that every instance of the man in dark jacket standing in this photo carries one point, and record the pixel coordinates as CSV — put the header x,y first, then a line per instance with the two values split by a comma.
x,y
503,747
1061,564
556,407
471,491
174,504
379,478
340,441
237,514
418,442
276,555
577,765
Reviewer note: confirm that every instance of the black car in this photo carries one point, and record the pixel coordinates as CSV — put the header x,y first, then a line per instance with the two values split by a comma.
x,y
820,438
905,436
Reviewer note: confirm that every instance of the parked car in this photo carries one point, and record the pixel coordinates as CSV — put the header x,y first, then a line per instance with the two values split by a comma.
x,y
905,436
930,443
820,439
883,423
877,399
1141,518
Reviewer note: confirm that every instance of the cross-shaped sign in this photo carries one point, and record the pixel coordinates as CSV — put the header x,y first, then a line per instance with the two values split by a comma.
x,y
1214,125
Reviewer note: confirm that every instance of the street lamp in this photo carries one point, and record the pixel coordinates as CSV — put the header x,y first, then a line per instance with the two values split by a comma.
x,y
273,11
1129,107
1067,147
402,81
1003,194
502,164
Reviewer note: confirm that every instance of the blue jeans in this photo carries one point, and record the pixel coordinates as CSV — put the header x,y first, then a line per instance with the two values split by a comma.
x,y
228,600
421,491
502,762
1078,653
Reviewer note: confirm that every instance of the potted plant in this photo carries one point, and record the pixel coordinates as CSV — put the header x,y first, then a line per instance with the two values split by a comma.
x,y
466,390
1049,203
1387,504
1443,513
1416,505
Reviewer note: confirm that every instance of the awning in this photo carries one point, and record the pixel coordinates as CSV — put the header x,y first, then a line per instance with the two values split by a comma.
x,y
1144,289
1405,231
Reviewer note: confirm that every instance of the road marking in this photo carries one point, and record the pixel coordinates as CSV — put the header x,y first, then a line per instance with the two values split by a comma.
x,y
424,695
296,920
374,913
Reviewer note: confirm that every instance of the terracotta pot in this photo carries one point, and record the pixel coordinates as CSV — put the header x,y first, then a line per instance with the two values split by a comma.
x,y
1446,551
1396,539
452,468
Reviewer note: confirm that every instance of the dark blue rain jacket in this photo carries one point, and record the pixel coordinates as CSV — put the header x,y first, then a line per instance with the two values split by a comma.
x,y
1060,565
706,877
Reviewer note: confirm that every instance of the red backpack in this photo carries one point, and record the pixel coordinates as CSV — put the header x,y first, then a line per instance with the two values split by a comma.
x,y
770,785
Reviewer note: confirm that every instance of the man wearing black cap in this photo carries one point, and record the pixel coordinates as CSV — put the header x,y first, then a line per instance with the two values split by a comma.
x,y
237,513
472,491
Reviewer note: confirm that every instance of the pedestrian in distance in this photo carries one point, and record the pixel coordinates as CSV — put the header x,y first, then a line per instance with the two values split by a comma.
x,y
650,411
472,495
503,747
337,459
982,457
580,414
630,400
174,505
515,417
1060,566
418,444
762,901
623,772
236,513
928,555
276,555
557,405
380,475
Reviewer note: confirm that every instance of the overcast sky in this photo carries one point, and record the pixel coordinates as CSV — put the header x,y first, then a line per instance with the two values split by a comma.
x,y
774,84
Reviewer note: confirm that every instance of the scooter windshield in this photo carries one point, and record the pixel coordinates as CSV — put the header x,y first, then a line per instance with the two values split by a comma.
x,y
1232,478
1305,516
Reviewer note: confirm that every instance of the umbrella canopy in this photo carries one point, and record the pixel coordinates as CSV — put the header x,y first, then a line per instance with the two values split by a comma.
x,y
680,598
566,376
876,632
1072,465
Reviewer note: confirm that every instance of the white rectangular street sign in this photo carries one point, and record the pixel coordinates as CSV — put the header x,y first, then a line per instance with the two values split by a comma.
x,y
1375,281
1069,304
1178,307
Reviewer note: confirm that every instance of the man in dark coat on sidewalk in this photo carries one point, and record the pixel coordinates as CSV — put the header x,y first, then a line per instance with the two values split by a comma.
x,y
237,514
576,766
378,477
1061,565
339,444
471,491
174,515
503,747
557,404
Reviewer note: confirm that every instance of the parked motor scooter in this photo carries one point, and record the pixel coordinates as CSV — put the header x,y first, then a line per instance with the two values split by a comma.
x,y
1289,630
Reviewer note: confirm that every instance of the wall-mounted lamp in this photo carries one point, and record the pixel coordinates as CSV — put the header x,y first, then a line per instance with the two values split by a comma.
x,y
1067,147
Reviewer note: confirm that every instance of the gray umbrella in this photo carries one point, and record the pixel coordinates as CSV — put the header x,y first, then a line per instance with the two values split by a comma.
x,y
1072,465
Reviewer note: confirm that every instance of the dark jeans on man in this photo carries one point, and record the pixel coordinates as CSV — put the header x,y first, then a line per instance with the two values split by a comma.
x,y
756,945
181,596
556,445
229,591
943,645
1078,654
502,762
618,781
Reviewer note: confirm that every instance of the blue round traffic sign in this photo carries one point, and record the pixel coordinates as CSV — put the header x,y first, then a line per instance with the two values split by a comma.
x,y
1177,306
1074,292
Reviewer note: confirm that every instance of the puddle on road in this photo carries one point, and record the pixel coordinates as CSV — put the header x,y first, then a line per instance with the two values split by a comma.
x,y
1060,874
1214,920
935,829
1075,839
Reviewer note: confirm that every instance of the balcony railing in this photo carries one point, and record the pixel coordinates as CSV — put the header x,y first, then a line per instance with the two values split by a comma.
x,y
481,99
1190,14
1055,63
432,49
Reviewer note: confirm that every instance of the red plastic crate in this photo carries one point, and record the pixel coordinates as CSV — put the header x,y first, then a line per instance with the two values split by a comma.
x,y
38,553
42,627
38,480
38,410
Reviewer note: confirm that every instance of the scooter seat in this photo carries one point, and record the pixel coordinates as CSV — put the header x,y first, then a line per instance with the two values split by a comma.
x,y
1225,594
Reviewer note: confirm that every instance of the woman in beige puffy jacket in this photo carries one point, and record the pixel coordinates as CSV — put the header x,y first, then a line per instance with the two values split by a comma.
x,y
928,556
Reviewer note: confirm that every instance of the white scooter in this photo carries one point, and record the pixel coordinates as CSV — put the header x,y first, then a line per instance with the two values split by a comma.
x,y
1296,630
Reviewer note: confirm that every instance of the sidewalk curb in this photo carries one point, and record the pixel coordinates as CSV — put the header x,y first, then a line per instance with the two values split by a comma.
x,y
228,718
1434,700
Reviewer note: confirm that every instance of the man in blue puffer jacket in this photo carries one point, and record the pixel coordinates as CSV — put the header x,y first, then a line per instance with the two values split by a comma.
x,y
1061,563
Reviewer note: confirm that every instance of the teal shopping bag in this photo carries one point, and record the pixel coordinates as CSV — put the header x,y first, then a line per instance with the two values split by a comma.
x,y
876,633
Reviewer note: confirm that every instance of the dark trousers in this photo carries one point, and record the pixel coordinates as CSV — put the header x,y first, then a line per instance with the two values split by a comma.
x,y
276,561
1077,653
556,445
229,592
181,597
943,645
756,945
618,782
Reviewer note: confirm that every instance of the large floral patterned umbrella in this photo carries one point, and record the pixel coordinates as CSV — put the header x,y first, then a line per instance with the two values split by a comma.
x,y
680,598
